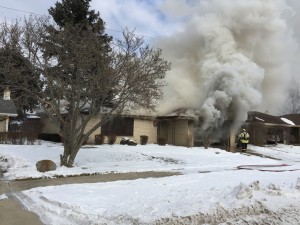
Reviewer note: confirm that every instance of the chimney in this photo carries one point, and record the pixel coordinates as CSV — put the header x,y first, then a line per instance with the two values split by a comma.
x,y
6,95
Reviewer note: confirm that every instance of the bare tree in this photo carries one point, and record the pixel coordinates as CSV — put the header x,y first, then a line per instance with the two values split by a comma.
x,y
78,80
293,101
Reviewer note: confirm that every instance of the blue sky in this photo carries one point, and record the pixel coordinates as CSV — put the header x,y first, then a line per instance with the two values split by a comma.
x,y
149,18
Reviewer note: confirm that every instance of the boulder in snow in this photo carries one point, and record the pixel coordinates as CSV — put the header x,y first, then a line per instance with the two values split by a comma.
x,y
45,165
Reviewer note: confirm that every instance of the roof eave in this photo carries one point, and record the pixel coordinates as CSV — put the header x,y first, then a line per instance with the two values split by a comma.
x,y
9,114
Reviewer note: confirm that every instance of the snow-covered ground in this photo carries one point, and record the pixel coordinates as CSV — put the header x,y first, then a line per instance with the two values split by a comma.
x,y
211,190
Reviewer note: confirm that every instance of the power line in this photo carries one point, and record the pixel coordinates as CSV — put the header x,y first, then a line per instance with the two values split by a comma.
x,y
119,31
19,10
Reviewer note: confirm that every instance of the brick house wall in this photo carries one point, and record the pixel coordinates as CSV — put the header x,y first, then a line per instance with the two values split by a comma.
x,y
141,127
90,124
144,127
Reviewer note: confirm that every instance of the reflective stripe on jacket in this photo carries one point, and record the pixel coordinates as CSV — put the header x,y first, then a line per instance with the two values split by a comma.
x,y
244,137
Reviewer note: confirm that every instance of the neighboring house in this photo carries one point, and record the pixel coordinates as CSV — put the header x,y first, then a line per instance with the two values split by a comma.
x,y
268,129
7,110
294,129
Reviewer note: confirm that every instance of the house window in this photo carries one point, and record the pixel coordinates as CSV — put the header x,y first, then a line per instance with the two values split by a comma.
x,y
118,126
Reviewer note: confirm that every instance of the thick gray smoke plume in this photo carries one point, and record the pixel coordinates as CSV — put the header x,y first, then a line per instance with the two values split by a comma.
x,y
231,57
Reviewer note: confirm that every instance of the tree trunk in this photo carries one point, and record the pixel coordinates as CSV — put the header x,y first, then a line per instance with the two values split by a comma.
x,y
70,152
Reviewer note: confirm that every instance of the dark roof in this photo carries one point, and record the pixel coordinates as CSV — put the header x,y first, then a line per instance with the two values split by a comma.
x,y
295,118
7,107
181,113
254,116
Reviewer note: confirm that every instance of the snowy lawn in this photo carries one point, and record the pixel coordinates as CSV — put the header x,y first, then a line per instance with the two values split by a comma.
x,y
211,190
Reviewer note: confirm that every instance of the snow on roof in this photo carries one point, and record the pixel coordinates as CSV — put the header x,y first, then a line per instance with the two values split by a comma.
x,y
33,117
18,122
259,118
287,121
265,118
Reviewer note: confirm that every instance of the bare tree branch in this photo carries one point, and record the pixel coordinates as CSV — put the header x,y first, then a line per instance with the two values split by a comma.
x,y
78,77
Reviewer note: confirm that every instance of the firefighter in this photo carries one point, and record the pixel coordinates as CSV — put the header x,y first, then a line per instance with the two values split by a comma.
x,y
244,139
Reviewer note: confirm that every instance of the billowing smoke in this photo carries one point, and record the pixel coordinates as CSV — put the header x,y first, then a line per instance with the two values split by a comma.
x,y
230,57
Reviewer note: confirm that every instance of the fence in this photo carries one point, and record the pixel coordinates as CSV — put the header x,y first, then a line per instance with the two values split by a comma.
x,y
18,138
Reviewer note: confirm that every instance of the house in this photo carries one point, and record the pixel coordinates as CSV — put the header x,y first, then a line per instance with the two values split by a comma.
x,y
129,125
175,128
182,129
294,128
268,129
7,110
